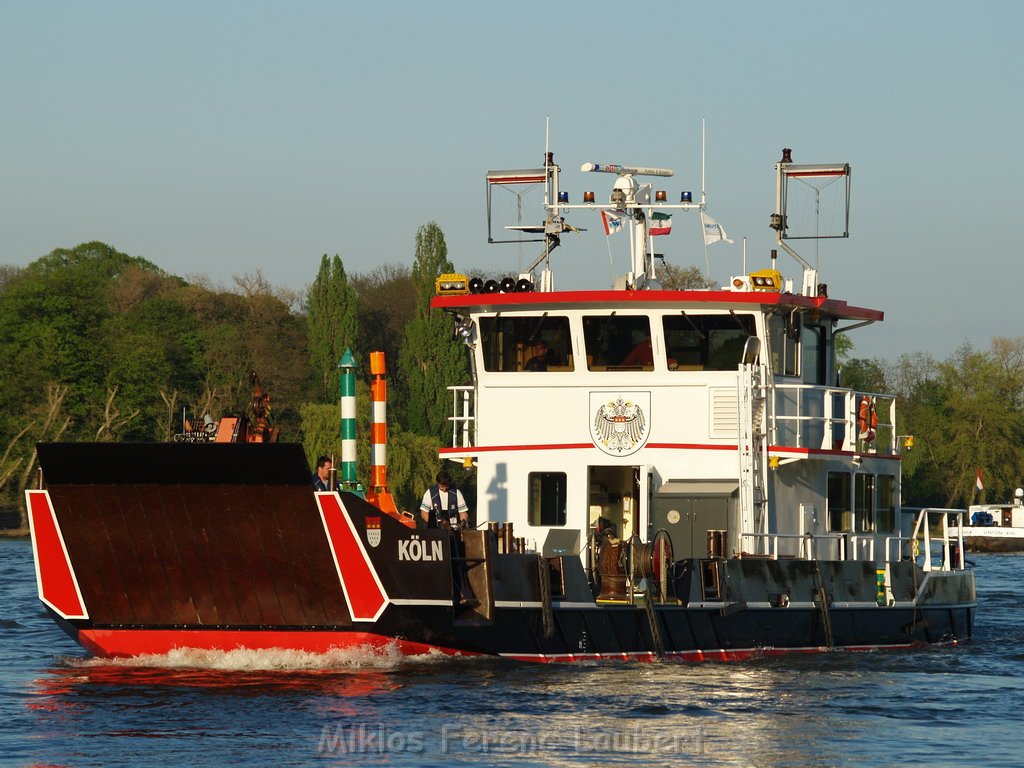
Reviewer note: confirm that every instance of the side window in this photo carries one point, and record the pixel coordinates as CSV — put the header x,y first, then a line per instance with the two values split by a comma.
x,y
526,343
618,343
785,350
840,516
706,342
885,506
547,498
814,354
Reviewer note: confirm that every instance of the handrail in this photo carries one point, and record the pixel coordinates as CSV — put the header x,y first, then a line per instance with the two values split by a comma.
x,y
832,430
464,422
922,527
806,541
848,542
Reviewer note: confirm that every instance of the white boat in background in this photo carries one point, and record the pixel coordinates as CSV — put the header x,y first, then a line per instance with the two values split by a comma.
x,y
996,527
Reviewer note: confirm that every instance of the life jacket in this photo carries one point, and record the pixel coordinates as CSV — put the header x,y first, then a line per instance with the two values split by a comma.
x,y
435,504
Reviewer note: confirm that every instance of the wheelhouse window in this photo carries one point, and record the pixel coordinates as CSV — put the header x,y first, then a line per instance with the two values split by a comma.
x,y
618,343
840,516
536,343
706,342
547,498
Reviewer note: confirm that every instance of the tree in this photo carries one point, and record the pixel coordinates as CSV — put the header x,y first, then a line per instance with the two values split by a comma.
x,y
431,359
864,374
387,302
52,317
675,278
332,316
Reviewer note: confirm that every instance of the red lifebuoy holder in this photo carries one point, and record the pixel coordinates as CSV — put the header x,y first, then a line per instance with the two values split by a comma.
x,y
867,419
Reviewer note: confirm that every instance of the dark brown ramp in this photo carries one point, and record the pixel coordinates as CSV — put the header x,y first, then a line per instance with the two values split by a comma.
x,y
180,535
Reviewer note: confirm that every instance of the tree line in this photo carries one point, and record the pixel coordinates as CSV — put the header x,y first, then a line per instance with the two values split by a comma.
x,y
97,345
966,413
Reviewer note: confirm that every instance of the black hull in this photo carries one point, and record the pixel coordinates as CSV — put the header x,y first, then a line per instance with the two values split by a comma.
x,y
232,549
685,634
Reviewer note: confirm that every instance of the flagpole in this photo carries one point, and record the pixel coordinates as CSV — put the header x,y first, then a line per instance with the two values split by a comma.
x,y
707,264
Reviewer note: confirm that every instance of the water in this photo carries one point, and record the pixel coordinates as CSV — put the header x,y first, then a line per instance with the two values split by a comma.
x,y
958,705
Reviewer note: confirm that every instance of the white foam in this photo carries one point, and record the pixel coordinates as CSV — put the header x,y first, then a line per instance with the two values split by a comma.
x,y
268,659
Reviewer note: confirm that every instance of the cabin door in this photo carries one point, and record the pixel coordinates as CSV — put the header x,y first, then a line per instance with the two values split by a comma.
x,y
698,516
618,499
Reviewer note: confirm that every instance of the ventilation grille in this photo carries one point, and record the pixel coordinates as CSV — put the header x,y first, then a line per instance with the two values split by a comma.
x,y
724,412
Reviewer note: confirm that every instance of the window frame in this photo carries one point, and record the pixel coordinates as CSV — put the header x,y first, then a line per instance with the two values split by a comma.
x,y
537,514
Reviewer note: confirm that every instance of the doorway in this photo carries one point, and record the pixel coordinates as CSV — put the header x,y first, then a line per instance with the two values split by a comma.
x,y
615,499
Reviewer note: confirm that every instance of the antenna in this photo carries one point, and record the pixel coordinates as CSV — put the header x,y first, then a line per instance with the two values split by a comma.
x,y
703,199
547,154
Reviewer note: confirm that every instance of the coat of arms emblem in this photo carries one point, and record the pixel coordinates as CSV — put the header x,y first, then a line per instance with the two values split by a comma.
x,y
373,531
621,422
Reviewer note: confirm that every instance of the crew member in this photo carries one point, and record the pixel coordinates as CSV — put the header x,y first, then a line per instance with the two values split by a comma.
x,y
321,478
541,357
443,500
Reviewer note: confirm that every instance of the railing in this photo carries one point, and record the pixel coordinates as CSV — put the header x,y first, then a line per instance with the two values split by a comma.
x,y
805,549
808,416
463,417
938,553
922,527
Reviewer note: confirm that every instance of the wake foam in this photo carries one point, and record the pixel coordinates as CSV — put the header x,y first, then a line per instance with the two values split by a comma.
x,y
268,659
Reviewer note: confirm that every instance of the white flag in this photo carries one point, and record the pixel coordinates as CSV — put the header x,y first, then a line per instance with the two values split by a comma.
x,y
713,231
612,222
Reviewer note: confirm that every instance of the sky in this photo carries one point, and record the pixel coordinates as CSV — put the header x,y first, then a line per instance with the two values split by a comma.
x,y
229,137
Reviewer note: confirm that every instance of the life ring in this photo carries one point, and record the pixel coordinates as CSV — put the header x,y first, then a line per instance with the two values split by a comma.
x,y
867,419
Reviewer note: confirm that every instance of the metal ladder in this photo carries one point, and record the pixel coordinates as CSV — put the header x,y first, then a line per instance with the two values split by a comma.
x,y
753,450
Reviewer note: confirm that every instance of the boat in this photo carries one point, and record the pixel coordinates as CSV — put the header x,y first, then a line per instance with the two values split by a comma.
x,y
995,527
680,475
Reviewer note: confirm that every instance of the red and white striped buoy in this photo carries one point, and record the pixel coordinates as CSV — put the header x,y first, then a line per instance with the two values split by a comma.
x,y
379,417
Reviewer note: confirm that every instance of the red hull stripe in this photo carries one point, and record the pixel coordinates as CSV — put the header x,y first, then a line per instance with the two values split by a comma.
x,y
136,642
363,591
740,654
55,577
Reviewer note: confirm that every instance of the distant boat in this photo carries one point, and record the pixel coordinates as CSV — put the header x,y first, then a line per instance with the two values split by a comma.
x,y
996,527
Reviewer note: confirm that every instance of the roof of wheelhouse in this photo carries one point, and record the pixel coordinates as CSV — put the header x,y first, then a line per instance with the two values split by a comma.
x,y
484,302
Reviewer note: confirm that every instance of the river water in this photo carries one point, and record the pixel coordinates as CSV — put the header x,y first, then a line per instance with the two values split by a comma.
x,y
951,705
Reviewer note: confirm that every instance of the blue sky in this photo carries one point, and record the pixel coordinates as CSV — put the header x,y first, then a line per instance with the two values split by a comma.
x,y
221,138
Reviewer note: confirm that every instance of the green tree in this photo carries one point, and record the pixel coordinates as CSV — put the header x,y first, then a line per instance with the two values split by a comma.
x,y
864,374
675,278
332,315
431,359
983,422
387,302
52,317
